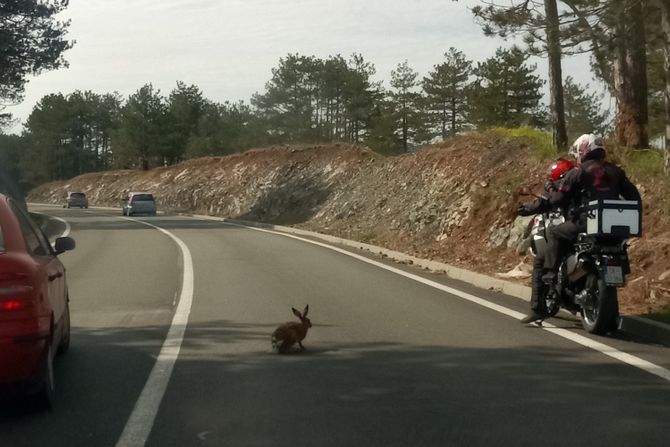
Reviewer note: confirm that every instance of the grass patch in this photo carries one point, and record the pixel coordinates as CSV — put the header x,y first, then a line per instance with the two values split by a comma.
x,y
644,166
662,315
641,163
645,163
539,142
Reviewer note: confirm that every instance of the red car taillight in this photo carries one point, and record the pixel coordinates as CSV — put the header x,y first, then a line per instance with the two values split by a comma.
x,y
11,305
15,294
15,298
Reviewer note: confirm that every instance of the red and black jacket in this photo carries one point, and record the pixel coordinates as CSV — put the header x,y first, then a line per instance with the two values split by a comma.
x,y
593,180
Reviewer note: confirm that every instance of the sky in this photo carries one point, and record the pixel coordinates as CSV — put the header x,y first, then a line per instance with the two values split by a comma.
x,y
228,47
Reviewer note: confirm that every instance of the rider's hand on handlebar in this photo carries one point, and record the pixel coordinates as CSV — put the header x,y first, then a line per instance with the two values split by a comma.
x,y
525,210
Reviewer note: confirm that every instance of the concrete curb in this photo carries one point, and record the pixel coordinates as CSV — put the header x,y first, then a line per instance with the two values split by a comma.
x,y
638,326
646,328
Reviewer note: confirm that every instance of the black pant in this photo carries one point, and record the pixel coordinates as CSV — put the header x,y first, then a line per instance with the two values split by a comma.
x,y
538,288
558,238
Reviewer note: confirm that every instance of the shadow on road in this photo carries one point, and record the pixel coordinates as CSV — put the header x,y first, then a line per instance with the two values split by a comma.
x,y
229,384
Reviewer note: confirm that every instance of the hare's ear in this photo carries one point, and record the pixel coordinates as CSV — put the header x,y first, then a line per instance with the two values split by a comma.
x,y
296,312
304,314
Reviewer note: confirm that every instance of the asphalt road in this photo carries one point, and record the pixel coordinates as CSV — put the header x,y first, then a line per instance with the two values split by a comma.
x,y
389,361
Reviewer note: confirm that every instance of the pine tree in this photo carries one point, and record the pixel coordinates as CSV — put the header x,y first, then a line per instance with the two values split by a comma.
x,y
540,23
184,110
583,110
49,150
331,80
69,135
32,41
382,136
360,96
406,102
445,89
614,32
107,116
225,129
140,135
288,103
12,147
506,91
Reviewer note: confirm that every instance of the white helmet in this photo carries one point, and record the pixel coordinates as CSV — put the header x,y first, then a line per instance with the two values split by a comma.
x,y
585,144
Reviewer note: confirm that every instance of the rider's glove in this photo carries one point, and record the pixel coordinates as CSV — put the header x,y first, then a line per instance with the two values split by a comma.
x,y
550,186
527,209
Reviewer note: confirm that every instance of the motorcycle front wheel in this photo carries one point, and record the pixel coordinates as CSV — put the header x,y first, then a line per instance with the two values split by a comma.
x,y
552,303
600,308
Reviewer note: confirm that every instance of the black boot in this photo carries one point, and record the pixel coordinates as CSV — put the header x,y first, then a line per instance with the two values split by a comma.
x,y
533,317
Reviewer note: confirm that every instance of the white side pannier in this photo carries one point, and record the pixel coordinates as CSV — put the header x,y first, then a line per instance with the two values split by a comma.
x,y
622,218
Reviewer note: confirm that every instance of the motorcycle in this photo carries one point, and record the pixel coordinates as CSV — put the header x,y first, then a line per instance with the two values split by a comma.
x,y
595,267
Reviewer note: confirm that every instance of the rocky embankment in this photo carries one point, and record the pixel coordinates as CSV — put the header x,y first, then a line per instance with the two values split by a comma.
x,y
453,202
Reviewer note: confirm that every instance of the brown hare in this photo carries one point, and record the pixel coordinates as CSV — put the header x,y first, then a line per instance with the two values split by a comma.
x,y
291,333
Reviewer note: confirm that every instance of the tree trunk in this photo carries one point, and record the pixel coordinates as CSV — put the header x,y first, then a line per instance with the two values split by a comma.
x,y
405,131
338,131
630,78
356,131
637,61
665,17
622,94
453,116
329,120
626,77
555,75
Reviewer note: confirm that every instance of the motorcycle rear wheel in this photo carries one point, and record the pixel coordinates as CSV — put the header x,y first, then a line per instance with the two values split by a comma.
x,y
600,308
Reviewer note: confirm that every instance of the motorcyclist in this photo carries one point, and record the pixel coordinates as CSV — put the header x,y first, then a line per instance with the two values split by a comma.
x,y
594,179
555,175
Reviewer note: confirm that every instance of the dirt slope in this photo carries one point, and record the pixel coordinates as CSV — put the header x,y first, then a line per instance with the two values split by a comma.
x,y
452,202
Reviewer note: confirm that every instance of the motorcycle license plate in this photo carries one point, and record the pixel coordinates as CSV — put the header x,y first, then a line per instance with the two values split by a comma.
x,y
614,275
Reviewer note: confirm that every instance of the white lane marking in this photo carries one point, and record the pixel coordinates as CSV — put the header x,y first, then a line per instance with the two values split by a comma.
x,y
68,228
139,425
65,233
609,351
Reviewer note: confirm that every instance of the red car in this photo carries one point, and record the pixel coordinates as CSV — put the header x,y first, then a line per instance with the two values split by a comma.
x,y
34,311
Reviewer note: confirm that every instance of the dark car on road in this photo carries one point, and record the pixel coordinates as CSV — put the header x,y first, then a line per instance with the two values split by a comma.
x,y
34,310
76,200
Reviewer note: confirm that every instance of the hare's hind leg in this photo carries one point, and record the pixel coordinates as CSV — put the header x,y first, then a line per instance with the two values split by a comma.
x,y
302,348
284,346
